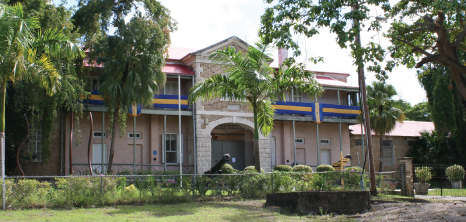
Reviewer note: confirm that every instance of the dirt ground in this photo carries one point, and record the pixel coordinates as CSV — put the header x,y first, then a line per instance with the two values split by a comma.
x,y
421,211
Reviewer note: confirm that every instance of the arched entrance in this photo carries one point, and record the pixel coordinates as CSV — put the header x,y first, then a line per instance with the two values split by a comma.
x,y
233,139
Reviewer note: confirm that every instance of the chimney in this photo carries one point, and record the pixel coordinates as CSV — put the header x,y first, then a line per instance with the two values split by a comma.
x,y
282,55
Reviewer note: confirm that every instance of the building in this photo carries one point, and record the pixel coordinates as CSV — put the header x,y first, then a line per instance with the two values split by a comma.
x,y
395,145
166,136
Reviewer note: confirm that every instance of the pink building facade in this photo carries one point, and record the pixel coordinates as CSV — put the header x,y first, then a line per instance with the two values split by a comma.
x,y
157,140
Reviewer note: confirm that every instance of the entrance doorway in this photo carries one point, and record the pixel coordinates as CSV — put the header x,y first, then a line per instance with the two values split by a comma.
x,y
234,148
232,139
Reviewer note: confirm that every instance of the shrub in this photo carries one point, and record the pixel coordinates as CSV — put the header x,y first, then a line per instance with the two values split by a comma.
x,y
423,174
320,182
455,173
251,169
283,181
255,186
282,168
228,169
325,168
353,177
302,168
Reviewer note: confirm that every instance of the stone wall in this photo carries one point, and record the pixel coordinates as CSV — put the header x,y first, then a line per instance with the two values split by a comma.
x,y
400,149
406,167
318,202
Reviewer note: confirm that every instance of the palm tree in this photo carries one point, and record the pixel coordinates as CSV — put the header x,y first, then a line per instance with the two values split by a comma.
x,y
249,78
133,61
26,52
383,116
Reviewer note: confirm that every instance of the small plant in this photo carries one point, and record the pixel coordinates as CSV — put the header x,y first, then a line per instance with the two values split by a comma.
x,y
423,174
455,173
282,168
228,169
325,168
302,169
251,169
319,182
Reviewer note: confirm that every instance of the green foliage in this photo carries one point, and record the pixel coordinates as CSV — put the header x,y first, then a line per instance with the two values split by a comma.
x,y
352,178
302,168
251,169
282,168
419,112
423,174
321,182
432,148
132,58
325,168
455,173
228,169
434,38
287,18
45,79
447,111
255,186
283,181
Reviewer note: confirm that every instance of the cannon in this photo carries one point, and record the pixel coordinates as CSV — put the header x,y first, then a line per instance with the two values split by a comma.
x,y
216,168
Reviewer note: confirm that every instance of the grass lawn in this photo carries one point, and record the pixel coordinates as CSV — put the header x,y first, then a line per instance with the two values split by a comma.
x,y
196,211
447,192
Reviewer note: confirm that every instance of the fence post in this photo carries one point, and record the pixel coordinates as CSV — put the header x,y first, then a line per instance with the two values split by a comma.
x,y
406,166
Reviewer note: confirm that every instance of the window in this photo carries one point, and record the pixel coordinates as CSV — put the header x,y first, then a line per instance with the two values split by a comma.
x,y
411,143
387,152
325,141
171,148
299,140
358,142
171,88
138,135
35,137
297,96
94,83
98,134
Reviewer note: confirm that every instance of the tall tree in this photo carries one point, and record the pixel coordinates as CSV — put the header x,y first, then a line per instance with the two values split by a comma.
x,y
25,96
430,32
419,112
249,78
133,56
383,114
448,114
289,18
26,53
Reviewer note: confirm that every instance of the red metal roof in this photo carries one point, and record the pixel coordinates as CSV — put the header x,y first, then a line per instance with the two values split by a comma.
x,y
177,69
406,128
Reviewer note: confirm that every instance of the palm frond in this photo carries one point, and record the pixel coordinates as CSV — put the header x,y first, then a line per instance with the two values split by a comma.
x,y
265,115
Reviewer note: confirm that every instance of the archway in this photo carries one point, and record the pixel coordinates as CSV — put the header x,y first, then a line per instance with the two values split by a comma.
x,y
236,140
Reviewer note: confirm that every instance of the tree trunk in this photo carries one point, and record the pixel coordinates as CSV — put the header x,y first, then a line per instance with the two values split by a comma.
x,y
257,161
112,143
71,142
380,154
18,151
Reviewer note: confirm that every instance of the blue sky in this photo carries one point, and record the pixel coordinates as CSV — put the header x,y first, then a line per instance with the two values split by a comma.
x,y
202,23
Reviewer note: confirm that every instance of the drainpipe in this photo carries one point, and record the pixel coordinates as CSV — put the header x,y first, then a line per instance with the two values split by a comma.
x,y
194,135
179,131
61,141
318,139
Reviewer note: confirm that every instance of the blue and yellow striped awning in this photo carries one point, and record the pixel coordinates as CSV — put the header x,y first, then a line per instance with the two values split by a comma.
x,y
340,110
293,108
159,101
317,110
